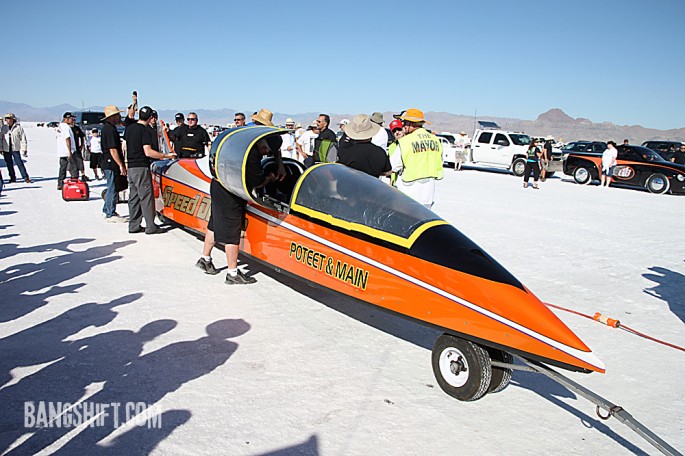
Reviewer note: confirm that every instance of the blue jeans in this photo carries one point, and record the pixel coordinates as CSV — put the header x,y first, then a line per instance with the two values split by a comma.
x,y
109,208
12,158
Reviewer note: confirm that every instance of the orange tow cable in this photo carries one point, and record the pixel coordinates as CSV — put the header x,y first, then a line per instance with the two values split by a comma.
x,y
598,317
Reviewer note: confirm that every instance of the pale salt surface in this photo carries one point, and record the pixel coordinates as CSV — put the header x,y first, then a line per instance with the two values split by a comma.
x,y
290,369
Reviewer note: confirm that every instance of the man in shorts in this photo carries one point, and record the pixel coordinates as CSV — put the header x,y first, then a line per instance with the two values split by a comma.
x,y
608,164
228,211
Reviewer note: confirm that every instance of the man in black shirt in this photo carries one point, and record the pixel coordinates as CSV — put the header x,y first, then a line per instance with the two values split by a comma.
x,y
362,155
679,155
191,142
546,157
322,142
226,220
181,127
113,164
139,151
77,156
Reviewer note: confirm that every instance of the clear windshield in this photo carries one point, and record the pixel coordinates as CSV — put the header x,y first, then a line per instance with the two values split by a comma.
x,y
520,140
352,196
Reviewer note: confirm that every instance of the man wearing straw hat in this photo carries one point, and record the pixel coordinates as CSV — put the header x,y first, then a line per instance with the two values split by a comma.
x,y
113,164
417,159
362,154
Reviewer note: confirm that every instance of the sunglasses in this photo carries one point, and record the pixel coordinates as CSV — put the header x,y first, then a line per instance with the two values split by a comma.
x,y
192,118
238,120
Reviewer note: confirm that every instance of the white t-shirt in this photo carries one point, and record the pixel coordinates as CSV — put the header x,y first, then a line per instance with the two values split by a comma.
x,y
307,141
609,158
421,190
288,142
381,139
64,132
95,146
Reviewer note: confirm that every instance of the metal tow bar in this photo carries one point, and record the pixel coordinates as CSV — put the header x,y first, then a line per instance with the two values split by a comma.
x,y
612,409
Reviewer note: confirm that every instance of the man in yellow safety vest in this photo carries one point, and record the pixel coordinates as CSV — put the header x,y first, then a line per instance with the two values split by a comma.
x,y
417,159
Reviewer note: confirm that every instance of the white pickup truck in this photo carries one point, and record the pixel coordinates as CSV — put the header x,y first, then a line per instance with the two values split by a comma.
x,y
492,146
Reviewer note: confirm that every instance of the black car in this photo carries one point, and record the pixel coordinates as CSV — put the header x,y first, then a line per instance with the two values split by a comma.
x,y
595,147
664,148
637,167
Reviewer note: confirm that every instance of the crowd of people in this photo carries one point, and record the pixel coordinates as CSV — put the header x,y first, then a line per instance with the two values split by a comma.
x,y
405,154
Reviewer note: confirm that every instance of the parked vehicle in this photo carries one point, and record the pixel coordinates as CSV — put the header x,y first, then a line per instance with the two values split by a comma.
x,y
493,146
52,124
663,148
637,167
593,147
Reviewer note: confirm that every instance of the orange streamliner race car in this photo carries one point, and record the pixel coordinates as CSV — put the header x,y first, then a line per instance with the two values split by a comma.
x,y
349,232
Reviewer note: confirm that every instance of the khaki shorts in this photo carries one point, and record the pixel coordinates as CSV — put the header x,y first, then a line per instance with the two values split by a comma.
x,y
544,164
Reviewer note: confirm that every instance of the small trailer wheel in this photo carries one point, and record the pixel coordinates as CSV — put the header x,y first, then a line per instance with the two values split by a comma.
x,y
501,376
461,368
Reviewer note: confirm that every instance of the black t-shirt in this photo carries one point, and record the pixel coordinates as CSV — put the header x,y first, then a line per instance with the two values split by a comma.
x,y
533,152
110,140
155,138
137,136
177,133
79,137
548,148
192,143
345,141
679,157
365,157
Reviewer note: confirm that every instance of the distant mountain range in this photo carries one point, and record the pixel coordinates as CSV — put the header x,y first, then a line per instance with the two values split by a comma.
x,y
554,122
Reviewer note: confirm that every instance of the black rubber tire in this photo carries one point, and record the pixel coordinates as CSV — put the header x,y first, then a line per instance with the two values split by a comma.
x,y
549,174
658,183
518,167
582,175
500,376
472,381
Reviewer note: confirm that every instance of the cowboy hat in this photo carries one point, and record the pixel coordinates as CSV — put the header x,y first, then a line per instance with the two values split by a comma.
x,y
413,115
264,117
110,111
361,128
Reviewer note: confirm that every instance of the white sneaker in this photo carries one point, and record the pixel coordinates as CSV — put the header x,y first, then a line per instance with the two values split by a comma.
x,y
116,219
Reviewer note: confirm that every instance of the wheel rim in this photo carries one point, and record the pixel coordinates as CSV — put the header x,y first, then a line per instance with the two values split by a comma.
x,y
582,175
453,367
658,183
519,168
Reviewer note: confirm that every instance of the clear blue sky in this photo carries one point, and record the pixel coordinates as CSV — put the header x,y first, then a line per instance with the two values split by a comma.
x,y
617,61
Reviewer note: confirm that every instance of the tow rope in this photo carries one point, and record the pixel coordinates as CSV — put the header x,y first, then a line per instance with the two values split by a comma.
x,y
603,319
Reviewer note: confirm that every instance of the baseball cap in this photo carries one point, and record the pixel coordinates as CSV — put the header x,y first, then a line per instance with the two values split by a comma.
x,y
179,116
67,115
344,122
145,113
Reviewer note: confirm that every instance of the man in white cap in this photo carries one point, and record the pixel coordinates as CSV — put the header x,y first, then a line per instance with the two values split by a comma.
x,y
345,140
417,159
13,146
288,149
363,155
66,146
